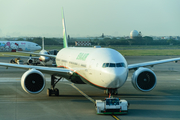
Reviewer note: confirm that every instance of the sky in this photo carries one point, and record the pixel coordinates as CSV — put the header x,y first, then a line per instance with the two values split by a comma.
x,y
86,18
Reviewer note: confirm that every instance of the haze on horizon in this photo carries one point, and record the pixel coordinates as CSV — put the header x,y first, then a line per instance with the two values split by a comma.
x,y
89,17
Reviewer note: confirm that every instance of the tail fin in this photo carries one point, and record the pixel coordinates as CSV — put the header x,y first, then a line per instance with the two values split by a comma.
x,y
42,43
65,42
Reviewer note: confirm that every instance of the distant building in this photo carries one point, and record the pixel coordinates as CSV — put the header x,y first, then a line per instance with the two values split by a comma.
x,y
135,34
82,43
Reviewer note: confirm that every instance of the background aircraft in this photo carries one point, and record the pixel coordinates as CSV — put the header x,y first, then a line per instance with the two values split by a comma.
x,y
13,46
103,68
32,59
43,59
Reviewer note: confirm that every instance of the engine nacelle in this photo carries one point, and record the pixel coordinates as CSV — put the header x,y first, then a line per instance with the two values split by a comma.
x,y
29,61
33,81
144,79
44,58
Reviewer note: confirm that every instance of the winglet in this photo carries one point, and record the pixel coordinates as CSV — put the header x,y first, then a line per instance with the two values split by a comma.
x,y
65,43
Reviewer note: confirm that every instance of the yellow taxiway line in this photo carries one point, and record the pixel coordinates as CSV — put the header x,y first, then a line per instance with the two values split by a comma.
x,y
89,98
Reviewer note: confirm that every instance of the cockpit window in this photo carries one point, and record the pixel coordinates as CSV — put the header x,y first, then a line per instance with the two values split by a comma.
x,y
113,65
104,65
107,65
37,45
120,65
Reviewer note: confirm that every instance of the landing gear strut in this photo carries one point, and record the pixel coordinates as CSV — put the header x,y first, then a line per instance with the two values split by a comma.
x,y
53,90
111,91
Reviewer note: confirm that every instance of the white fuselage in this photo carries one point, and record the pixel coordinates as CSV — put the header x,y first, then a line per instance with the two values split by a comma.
x,y
89,63
13,46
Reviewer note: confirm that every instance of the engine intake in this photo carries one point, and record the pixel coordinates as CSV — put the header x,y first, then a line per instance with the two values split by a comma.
x,y
29,61
33,81
144,79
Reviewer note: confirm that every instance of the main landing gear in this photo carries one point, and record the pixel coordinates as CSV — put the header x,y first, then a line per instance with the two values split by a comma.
x,y
111,91
53,90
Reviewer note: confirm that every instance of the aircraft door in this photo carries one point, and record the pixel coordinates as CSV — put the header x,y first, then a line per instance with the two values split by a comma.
x,y
103,73
91,66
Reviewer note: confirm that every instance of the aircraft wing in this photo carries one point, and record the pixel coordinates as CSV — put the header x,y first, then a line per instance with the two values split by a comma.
x,y
66,73
32,53
21,56
151,63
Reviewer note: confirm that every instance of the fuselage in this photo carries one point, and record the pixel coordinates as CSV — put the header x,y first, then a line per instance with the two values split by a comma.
x,y
102,67
13,46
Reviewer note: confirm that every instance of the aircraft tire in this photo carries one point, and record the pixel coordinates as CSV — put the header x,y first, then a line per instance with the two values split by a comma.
x,y
56,92
116,92
49,91
12,61
106,92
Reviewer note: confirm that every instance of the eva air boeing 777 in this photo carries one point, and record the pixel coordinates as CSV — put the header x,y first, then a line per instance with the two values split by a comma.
x,y
103,68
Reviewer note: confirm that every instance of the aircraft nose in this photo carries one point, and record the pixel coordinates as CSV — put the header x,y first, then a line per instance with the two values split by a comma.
x,y
39,47
116,77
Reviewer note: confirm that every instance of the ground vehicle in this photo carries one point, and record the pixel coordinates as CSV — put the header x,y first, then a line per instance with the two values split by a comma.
x,y
20,62
111,106
17,61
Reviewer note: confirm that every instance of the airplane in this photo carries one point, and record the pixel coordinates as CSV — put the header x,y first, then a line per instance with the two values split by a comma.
x,y
32,59
104,68
43,59
13,46
43,51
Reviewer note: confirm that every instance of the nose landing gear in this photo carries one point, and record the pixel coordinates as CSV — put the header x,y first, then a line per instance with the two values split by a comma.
x,y
111,91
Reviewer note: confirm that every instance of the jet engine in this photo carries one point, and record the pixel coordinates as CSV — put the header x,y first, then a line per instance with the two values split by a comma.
x,y
44,58
29,61
144,79
33,81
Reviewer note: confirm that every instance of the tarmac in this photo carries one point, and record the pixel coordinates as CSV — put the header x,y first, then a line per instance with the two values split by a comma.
x,y
76,102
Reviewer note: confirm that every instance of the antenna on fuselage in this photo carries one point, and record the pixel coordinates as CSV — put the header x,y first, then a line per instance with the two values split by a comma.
x,y
65,42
